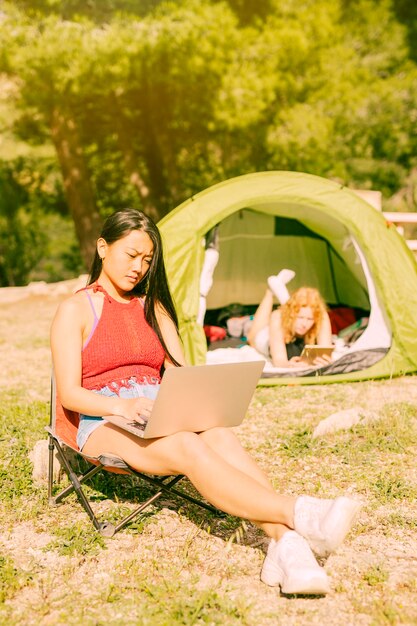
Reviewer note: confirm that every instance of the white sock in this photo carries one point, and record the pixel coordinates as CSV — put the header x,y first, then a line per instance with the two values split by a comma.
x,y
278,283
211,258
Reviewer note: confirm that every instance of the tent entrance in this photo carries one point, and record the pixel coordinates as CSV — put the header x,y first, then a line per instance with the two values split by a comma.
x,y
253,245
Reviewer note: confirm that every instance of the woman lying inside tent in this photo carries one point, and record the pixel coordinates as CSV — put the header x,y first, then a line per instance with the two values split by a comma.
x,y
280,336
301,320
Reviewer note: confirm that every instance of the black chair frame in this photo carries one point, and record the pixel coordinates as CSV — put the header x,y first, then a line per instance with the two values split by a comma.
x,y
107,462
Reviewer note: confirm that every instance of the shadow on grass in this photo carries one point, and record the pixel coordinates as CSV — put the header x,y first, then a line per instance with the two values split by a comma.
x,y
127,491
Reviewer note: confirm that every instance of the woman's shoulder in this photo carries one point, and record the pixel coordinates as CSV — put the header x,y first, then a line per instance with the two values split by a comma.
x,y
77,303
69,306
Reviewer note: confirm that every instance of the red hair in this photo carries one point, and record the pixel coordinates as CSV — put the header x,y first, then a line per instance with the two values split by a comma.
x,y
303,297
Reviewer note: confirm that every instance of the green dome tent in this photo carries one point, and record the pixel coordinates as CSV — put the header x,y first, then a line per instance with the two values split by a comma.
x,y
333,239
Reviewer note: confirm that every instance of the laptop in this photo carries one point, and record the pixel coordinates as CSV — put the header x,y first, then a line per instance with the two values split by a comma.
x,y
197,398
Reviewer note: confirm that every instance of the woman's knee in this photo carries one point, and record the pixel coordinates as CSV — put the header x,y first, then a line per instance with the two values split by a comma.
x,y
219,435
188,449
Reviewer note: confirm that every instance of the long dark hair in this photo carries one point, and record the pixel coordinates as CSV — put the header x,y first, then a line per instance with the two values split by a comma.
x,y
154,284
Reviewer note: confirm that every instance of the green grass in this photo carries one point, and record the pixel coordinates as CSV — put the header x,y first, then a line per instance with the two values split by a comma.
x,y
12,579
76,539
384,447
399,520
20,426
176,565
375,575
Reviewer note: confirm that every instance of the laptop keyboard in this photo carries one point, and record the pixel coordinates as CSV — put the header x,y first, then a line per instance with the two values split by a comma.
x,y
137,425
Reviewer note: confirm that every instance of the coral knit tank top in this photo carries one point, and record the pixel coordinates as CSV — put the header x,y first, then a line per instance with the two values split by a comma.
x,y
122,346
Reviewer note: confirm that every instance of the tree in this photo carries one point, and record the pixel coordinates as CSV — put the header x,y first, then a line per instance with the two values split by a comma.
x,y
47,79
142,89
147,103
20,237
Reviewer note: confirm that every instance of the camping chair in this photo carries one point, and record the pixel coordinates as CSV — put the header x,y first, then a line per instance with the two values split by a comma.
x,y
62,439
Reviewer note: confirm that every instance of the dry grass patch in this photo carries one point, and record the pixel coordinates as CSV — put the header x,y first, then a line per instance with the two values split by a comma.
x,y
177,565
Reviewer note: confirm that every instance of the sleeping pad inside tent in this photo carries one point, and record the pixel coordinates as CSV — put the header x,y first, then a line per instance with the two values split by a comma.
x,y
333,240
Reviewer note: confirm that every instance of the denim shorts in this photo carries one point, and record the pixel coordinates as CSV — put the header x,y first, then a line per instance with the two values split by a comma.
x,y
132,389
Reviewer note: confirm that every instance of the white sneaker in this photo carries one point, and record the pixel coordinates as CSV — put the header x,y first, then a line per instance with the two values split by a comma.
x,y
290,564
324,523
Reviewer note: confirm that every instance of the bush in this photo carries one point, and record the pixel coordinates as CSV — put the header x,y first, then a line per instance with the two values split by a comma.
x,y
37,238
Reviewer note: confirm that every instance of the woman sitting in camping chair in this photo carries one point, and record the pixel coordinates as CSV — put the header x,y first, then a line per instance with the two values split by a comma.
x,y
110,342
281,334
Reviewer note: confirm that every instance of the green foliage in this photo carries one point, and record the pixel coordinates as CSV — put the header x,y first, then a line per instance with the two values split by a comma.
x,y
37,240
18,233
167,98
20,241
60,257
406,11
97,10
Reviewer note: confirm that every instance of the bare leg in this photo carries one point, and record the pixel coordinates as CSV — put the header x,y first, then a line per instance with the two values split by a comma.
x,y
228,446
262,316
223,484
